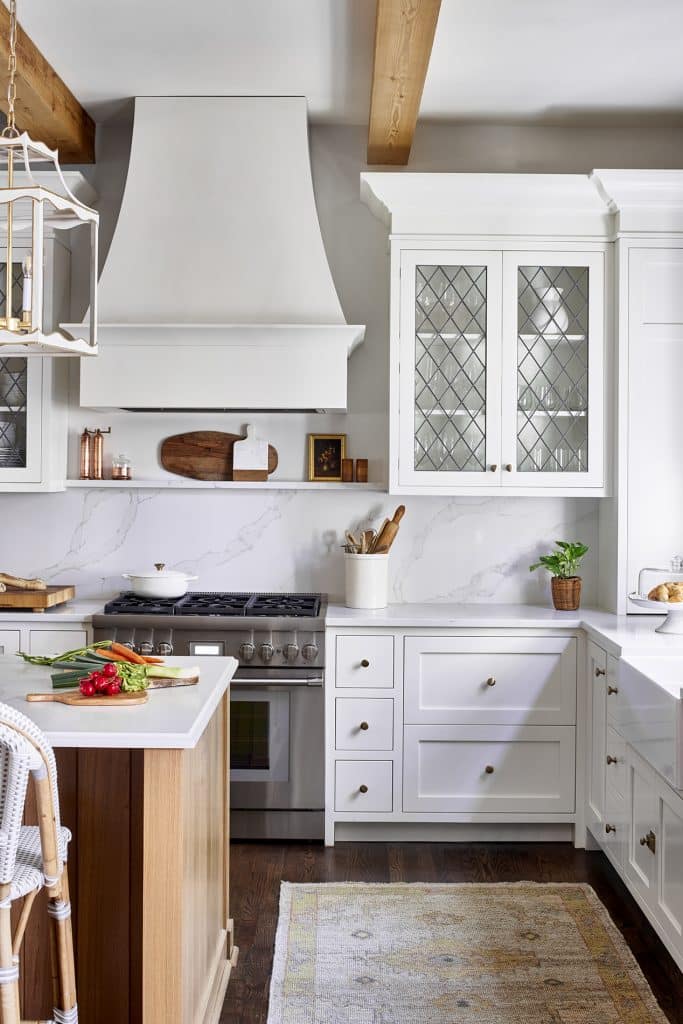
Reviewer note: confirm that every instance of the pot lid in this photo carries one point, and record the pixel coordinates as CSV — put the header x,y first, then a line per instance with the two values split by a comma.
x,y
160,572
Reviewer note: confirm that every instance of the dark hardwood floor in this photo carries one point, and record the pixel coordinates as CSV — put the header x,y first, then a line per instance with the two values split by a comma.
x,y
258,868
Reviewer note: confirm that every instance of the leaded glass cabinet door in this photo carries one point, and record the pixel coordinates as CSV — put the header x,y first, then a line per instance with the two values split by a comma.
x,y
449,394
20,399
553,353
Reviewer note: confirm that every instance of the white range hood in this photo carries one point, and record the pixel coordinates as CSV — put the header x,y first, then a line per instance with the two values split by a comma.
x,y
216,293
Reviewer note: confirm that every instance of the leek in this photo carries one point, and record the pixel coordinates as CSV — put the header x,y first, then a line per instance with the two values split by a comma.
x,y
170,672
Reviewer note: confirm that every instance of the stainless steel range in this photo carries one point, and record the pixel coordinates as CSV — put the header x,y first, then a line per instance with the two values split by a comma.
x,y
277,702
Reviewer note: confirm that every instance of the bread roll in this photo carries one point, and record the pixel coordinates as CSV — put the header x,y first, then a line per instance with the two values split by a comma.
x,y
671,593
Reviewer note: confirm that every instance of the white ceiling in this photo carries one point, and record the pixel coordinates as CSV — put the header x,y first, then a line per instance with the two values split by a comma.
x,y
493,59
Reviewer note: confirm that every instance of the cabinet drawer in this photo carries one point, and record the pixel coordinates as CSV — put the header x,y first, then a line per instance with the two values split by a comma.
x,y
479,768
615,775
615,831
490,680
364,724
612,686
54,641
10,641
363,786
365,661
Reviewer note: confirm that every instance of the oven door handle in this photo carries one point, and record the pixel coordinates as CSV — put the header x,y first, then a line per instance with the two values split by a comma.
x,y
295,681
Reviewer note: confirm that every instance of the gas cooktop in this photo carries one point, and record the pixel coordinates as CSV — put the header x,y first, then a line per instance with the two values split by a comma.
x,y
296,606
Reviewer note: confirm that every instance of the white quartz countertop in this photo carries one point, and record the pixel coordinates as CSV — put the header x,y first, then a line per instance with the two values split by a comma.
x,y
171,718
618,632
70,611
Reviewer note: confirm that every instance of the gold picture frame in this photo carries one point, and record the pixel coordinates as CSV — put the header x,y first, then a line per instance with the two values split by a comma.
x,y
325,454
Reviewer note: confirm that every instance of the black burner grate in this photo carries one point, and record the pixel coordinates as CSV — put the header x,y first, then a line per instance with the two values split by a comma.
x,y
285,605
132,604
197,603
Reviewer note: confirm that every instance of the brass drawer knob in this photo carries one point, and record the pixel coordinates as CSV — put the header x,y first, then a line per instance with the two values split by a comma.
x,y
612,760
600,672
493,467
489,769
612,689
365,663
491,681
363,788
650,840
508,468
610,828
364,726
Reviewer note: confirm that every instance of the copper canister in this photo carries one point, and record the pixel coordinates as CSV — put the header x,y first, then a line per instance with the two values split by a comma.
x,y
97,455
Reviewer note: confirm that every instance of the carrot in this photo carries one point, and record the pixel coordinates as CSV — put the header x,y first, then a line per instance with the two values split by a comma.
x,y
152,661
113,657
126,653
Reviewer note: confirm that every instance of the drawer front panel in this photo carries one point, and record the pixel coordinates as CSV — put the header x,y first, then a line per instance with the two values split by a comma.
x,y
490,680
364,724
54,641
365,661
614,701
448,768
615,834
363,786
616,776
10,641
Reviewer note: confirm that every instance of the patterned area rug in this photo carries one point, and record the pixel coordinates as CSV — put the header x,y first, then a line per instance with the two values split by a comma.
x,y
525,953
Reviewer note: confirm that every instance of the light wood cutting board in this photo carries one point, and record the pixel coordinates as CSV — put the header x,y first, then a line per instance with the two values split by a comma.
x,y
74,698
36,600
204,454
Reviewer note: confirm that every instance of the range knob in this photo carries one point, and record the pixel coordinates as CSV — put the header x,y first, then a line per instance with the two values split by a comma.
x,y
266,652
146,647
309,652
291,652
247,651
165,649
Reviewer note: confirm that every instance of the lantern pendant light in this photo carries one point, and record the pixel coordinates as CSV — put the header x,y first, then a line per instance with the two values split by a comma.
x,y
30,206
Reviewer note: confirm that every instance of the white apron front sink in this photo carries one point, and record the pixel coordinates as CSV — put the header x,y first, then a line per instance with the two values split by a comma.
x,y
650,710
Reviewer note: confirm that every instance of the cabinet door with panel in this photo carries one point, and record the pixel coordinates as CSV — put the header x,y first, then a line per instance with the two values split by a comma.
x,y
490,680
449,382
597,728
643,835
10,641
553,416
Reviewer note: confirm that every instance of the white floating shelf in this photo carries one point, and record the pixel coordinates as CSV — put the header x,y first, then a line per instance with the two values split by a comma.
x,y
187,484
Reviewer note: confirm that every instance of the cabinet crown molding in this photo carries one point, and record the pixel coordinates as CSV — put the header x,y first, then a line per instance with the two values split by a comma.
x,y
642,200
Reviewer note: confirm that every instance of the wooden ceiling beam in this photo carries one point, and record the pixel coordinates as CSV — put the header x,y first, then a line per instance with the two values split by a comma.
x,y
45,107
404,33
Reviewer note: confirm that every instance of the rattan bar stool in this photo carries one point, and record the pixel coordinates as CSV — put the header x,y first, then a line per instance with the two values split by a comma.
x,y
32,857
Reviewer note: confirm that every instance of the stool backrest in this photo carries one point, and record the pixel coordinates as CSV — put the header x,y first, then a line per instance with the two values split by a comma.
x,y
24,752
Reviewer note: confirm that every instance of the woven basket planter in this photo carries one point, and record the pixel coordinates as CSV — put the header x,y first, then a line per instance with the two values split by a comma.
x,y
566,593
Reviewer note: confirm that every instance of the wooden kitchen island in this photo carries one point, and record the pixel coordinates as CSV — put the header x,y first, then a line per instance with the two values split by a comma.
x,y
145,792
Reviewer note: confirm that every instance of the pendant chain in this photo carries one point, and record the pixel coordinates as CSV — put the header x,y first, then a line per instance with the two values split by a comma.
x,y
11,128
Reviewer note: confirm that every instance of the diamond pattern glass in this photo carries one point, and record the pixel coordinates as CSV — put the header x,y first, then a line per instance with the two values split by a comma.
x,y
13,372
450,369
552,369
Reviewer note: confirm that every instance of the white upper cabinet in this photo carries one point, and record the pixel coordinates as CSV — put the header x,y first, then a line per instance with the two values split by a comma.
x,y
500,368
498,332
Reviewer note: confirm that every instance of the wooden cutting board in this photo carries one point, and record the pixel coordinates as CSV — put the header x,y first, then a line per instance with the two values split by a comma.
x,y
204,454
36,600
76,699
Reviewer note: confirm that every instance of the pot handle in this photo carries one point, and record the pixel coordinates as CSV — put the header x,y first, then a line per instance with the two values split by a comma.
x,y
126,575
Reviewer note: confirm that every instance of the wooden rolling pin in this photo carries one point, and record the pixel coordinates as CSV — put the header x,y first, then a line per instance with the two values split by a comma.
x,y
389,530
21,584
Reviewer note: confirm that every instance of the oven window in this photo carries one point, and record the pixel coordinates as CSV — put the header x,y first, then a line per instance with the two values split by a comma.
x,y
249,735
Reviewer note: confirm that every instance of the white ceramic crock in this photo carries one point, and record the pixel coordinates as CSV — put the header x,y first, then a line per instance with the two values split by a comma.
x,y
367,580
158,582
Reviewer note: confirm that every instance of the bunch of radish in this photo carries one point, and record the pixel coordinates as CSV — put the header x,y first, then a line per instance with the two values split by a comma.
x,y
102,682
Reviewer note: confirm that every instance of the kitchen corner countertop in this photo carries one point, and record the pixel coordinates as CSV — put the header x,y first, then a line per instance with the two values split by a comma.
x,y
70,611
619,632
172,718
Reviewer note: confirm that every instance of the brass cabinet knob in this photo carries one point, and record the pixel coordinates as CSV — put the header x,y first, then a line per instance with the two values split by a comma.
x,y
650,840
363,788
508,468
612,760
600,672
365,663
364,726
610,828
489,769
612,689
493,467
491,681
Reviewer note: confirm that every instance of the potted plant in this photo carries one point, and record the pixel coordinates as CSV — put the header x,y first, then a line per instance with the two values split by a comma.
x,y
564,564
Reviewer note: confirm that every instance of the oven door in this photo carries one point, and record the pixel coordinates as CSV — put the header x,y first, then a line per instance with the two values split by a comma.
x,y
277,740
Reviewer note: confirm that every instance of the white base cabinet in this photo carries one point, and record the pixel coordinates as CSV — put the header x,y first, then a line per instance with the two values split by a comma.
x,y
450,726
633,813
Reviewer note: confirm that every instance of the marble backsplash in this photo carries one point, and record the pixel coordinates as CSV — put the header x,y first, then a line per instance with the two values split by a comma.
x,y
458,549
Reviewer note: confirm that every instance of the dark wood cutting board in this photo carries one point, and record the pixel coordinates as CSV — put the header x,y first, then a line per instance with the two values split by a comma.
x,y
204,454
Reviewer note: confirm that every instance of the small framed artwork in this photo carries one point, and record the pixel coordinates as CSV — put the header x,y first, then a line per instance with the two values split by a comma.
x,y
325,454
